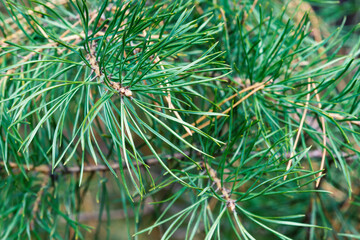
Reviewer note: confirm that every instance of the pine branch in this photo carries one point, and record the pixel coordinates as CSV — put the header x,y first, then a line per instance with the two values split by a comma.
x,y
46,169
252,101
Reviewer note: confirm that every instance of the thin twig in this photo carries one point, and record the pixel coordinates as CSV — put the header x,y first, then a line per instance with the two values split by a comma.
x,y
230,203
250,11
46,169
38,200
335,116
339,117
228,99
258,88
168,98
322,119
300,128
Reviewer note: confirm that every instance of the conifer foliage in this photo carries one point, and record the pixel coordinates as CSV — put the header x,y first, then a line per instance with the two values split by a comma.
x,y
185,119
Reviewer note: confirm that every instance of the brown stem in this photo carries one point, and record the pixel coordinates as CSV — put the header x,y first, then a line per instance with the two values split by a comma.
x,y
225,192
46,169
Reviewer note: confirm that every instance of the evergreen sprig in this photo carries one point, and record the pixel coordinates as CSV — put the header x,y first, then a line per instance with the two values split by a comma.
x,y
223,119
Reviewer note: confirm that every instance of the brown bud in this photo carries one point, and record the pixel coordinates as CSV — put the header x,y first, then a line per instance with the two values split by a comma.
x,y
128,93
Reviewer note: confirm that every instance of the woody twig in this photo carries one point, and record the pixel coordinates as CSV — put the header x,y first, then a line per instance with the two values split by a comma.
x,y
230,203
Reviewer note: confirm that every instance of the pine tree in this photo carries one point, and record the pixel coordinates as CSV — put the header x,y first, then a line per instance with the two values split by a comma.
x,y
179,119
